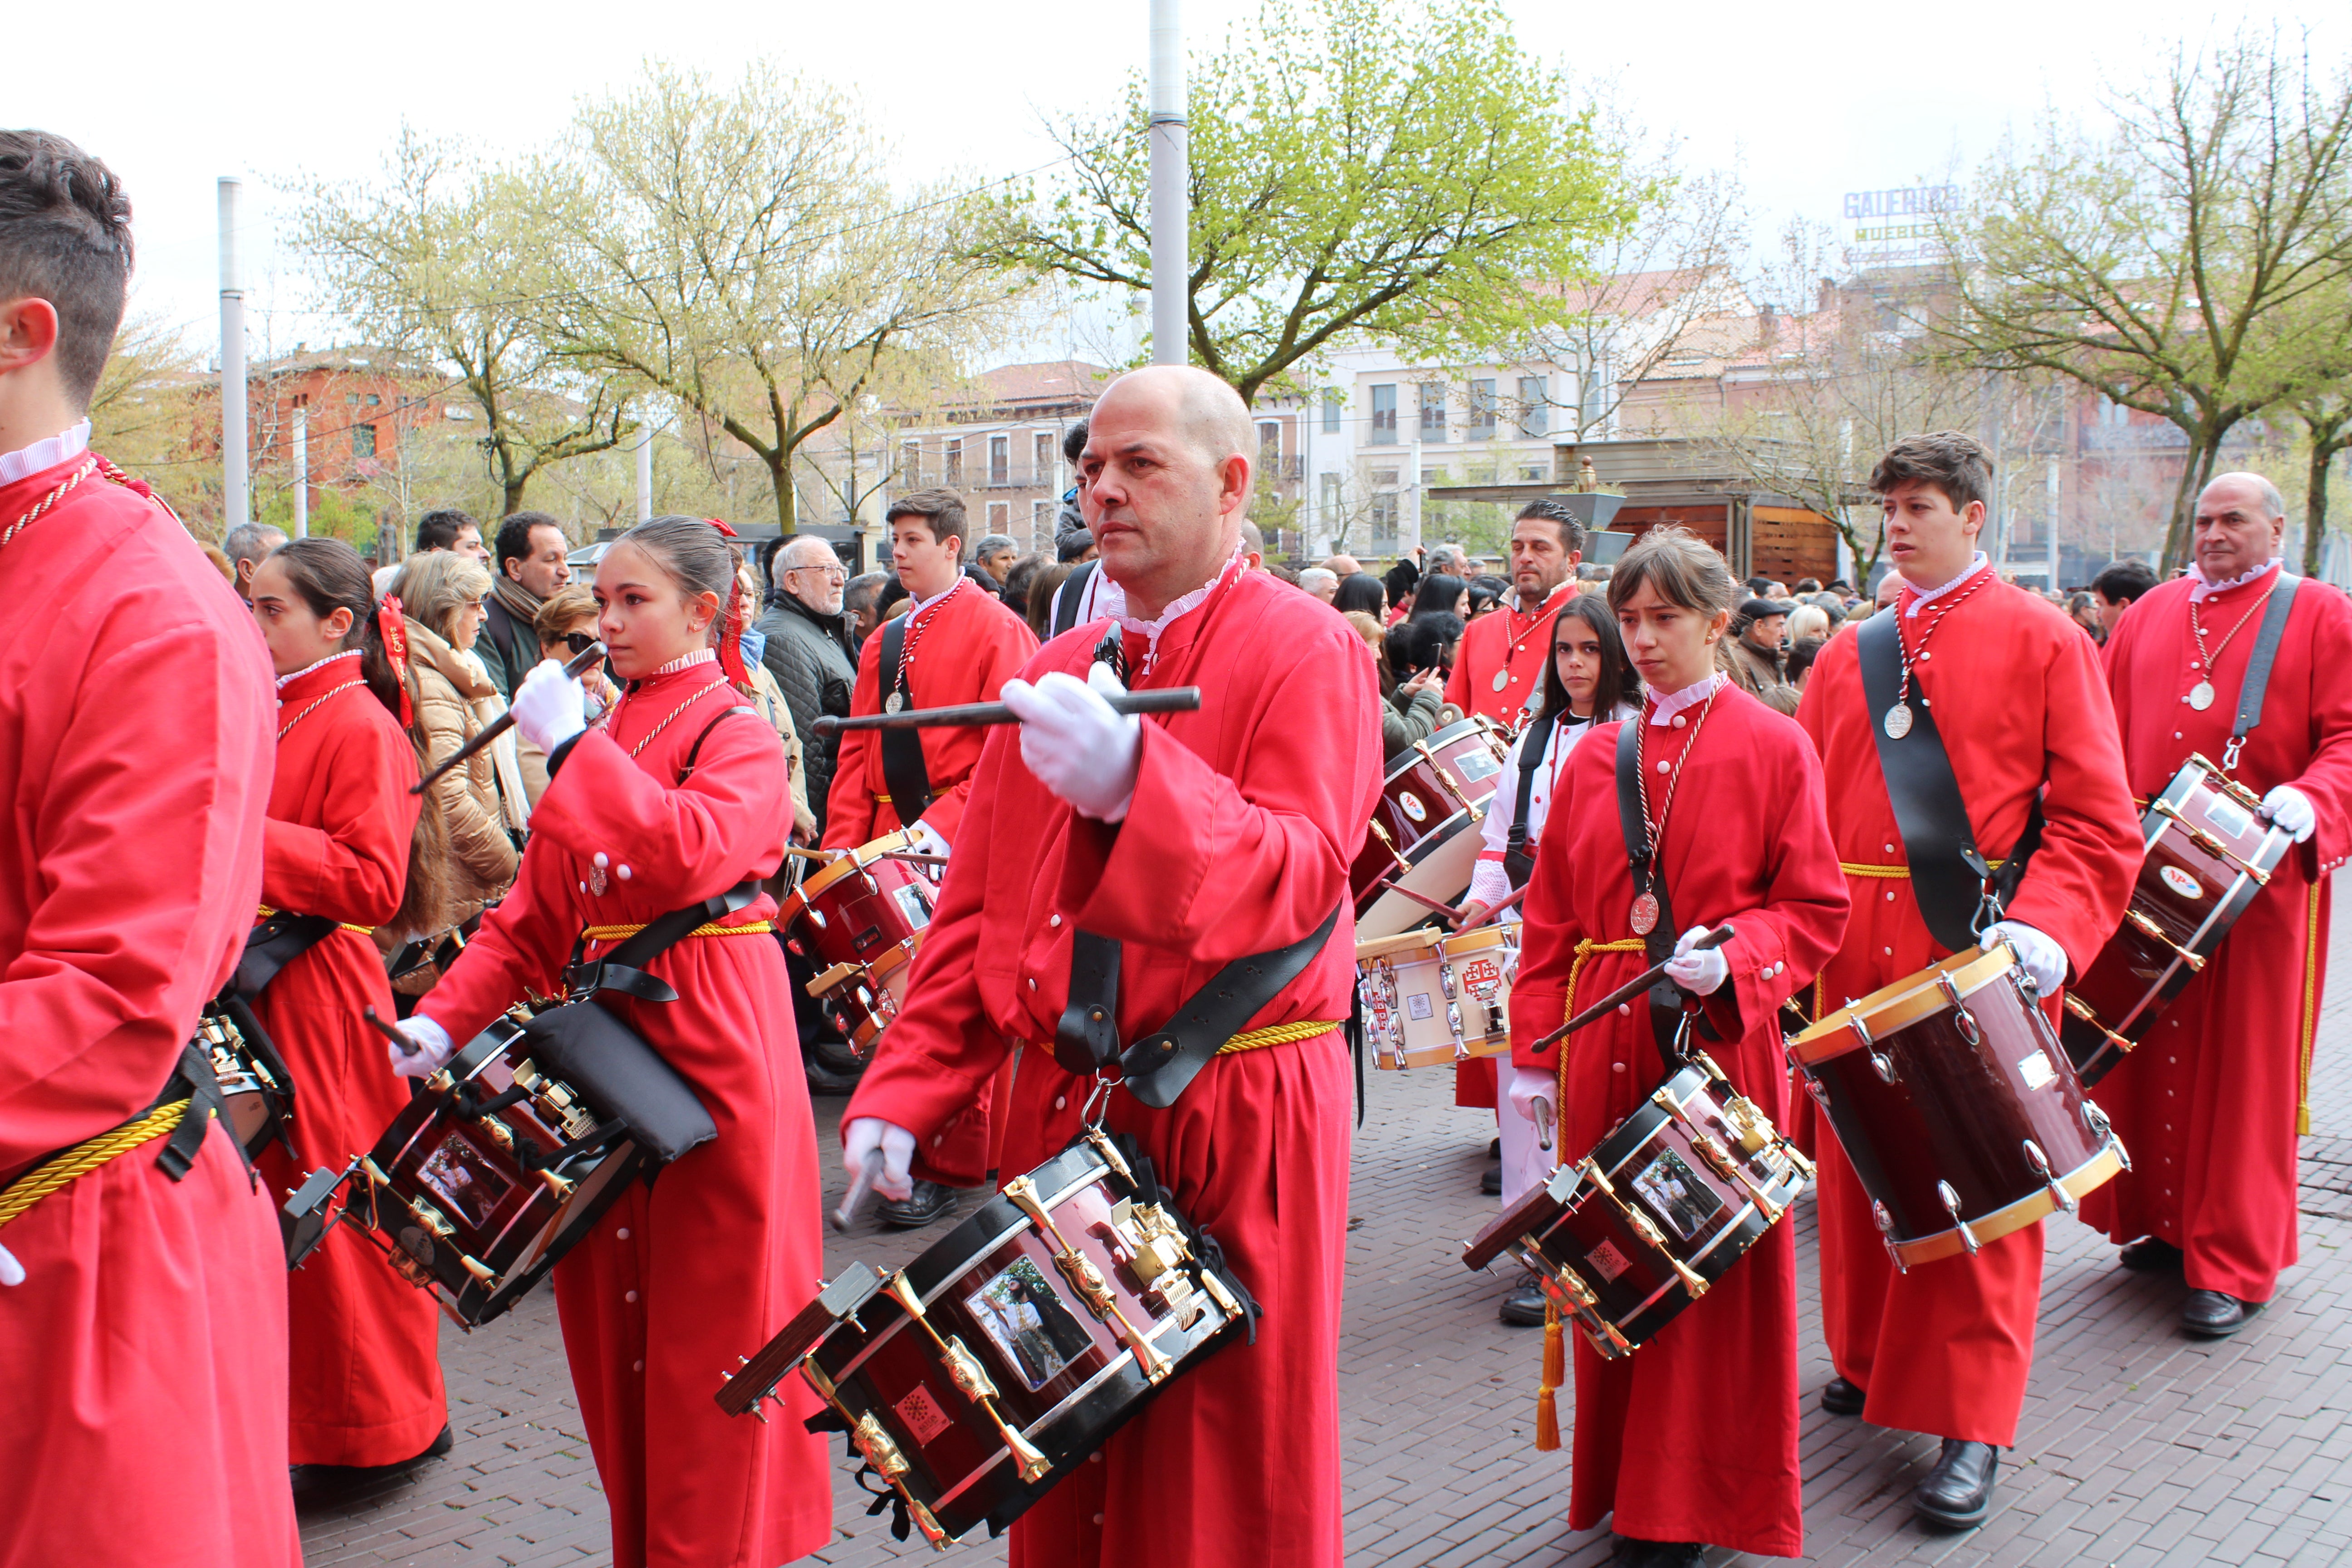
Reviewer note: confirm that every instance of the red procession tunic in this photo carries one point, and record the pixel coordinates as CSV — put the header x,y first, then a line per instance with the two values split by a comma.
x,y
965,648
366,1386
142,1410
2022,705
1746,841
677,1281
2208,1104
1243,823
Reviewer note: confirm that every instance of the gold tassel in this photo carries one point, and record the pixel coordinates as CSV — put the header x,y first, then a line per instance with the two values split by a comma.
x,y
1555,1372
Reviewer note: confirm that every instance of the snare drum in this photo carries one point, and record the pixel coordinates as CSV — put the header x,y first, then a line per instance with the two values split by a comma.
x,y
1431,999
1424,835
981,1373
1957,1106
1677,1192
257,1090
2209,853
863,914
448,1194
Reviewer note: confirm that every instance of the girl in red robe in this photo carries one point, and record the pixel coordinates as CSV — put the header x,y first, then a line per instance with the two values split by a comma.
x,y
681,1278
366,1388
1737,819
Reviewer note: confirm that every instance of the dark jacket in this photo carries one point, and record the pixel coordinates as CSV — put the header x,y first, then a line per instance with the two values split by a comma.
x,y
809,655
508,646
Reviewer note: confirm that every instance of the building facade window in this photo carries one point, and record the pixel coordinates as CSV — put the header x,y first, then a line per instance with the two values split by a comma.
x,y
1384,430
1269,447
1433,411
1331,413
1041,523
999,459
1534,407
1330,501
1535,473
362,440
1000,516
1385,523
1482,410
954,475
1044,458
910,463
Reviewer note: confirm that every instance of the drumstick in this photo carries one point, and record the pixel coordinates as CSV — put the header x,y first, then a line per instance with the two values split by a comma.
x,y
846,1215
1426,904
1516,894
407,1046
579,665
918,859
812,854
1168,700
1631,989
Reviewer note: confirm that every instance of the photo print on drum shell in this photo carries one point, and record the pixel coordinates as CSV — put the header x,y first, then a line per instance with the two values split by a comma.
x,y
1025,1316
463,1177
1671,1191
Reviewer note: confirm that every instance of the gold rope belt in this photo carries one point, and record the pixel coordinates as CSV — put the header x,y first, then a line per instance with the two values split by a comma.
x,y
622,934
340,925
883,799
1585,947
1901,872
1275,1034
83,1158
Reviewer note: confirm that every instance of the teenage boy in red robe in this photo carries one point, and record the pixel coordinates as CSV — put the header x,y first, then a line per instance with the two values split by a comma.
x,y
142,1319
2022,706
1192,840
960,644
2210,1104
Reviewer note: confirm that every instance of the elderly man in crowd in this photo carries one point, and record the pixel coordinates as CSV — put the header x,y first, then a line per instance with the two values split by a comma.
x,y
809,651
1320,582
246,545
994,556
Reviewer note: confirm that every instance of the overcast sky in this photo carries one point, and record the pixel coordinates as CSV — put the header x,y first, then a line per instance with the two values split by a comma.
x,y
1808,101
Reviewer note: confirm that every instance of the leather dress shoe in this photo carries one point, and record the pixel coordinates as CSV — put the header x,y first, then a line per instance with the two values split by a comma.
x,y
1491,1183
309,1481
1633,1552
832,1067
928,1201
2149,1255
1524,1307
1958,1493
1494,1148
2215,1314
1840,1397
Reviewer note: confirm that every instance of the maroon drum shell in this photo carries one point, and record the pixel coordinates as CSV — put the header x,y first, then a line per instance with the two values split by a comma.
x,y
1434,791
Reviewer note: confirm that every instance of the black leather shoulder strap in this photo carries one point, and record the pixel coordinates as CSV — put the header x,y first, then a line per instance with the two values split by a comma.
x,y
2265,651
694,753
273,944
1163,1064
1073,589
623,969
902,750
1534,742
1658,944
1948,872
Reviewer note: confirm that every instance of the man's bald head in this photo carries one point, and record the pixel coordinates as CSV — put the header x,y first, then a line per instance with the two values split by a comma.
x,y
803,550
1213,414
2240,524
1165,480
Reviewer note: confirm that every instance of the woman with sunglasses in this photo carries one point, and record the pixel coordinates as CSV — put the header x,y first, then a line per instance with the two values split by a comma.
x,y
565,625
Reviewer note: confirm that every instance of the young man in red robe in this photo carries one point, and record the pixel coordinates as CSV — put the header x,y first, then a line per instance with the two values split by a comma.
x,y
142,1319
2021,703
1193,841
2210,1104
1736,828
959,644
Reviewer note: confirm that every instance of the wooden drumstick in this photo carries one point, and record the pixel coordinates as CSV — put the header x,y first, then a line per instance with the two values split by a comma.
x,y
868,1173
407,1046
1168,700
1516,894
1631,989
580,664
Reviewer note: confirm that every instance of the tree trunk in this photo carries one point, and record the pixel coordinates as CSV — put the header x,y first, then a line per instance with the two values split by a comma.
x,y
2314,505
780,468
2196,469
514,487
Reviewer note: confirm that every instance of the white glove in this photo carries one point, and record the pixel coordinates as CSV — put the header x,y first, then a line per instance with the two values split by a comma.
x,y
1531,1084
926,839
866,1134
1073,742
2292,811
10,1271
549,707
1489,884
1701,972
2042,956
434,1047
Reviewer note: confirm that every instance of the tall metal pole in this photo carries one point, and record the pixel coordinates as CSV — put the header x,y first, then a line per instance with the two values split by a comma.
x,y
2052,480
646,472
236,505
301,467
1170,180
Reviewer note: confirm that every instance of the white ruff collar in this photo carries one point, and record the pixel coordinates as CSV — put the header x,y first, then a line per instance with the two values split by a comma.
x,y
2201,587
687,660
1113,603
284,681
1922,596
1673,702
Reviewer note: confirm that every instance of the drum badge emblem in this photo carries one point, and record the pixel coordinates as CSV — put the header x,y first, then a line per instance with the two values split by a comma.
x,y
2181,882
1409,803
922,1414
1483,977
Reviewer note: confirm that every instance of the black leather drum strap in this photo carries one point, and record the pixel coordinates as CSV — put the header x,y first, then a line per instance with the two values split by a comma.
x,y
2265,650
1162,1065
1085,1041
1658,943
273,944
1073,589
902,750
1534,742
1949,875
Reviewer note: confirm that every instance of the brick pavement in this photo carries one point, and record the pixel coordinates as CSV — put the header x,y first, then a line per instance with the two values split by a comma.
x,y
2139,1449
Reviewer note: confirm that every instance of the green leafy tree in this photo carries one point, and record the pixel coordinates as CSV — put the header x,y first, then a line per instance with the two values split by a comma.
x,y
1410,173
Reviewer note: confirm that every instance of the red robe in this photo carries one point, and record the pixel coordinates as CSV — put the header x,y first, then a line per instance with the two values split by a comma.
x,y
965,648
2208,1104
1243,822
1744,841
1509,643
2021,703
142,1410
678,1280
366,1387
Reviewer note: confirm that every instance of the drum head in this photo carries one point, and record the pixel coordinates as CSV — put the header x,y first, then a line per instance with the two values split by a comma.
x,y
1442,867
1904,1003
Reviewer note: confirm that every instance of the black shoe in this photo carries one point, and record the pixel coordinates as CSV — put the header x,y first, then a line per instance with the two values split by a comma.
x,y
2149,1255
832,1068
1494,1148
928,1201
2215,1315
1958,1493
1840,1397
1635,1552
1491,1183
309,1480
1524,1307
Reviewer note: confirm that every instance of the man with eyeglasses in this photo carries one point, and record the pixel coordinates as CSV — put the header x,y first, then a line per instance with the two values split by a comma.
x,y
808,650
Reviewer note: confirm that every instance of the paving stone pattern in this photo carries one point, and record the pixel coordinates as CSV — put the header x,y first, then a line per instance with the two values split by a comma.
x,y
2139,1449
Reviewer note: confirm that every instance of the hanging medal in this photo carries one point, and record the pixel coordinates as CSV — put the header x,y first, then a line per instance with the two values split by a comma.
x,y
1899,721
2200,695
1644,917
1502,680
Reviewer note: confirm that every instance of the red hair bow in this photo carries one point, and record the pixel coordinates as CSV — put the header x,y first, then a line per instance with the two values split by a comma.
x,y
722,528
391,620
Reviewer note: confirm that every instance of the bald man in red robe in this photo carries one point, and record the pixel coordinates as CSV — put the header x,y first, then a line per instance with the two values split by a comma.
x,y
2021,703
2210,1104
142,1319
1192,840
960,644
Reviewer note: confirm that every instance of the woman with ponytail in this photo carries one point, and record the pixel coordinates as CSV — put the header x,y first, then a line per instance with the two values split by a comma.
x,y
677,795
343,842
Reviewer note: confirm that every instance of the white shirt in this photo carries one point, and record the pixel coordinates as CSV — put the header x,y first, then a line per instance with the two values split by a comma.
x,y
1489,882
2201,586
1922,596
283,679
42,455
1673,702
